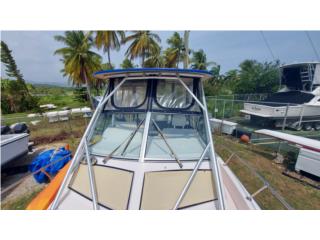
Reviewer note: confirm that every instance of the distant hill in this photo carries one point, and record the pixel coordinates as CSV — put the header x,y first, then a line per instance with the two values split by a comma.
x,y
50,84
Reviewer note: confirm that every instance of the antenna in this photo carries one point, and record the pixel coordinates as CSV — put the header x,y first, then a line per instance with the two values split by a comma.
x,y
271,53
268,46
312,45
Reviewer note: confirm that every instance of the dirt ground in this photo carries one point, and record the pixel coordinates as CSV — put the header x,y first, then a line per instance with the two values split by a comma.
x,y
17,183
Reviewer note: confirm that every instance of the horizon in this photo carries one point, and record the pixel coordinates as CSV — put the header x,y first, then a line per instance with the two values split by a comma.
x,y
33,50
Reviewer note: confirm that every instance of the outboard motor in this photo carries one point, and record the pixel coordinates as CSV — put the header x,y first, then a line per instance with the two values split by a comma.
x,y
19,128
5,130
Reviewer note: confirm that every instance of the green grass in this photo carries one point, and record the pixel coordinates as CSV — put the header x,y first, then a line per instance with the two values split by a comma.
x,y
15,115
22,202
299,196
46,132
62,101
59,96
66,101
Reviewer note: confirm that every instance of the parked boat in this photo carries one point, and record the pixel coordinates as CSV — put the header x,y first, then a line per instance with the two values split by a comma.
x,y
13,146
223,126
308,159
148,146
298,102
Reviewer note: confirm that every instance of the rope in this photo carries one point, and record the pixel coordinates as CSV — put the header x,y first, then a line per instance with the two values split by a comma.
x,y
312,45
268,46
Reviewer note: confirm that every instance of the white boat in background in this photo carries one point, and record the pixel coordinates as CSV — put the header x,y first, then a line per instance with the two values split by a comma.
x,y
224,126
298,102
308,159
64,115
149,146
75,110
87,112
52,116
13,146
48,106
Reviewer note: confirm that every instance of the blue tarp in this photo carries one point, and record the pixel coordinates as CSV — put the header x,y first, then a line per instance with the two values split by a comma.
x,y
47,157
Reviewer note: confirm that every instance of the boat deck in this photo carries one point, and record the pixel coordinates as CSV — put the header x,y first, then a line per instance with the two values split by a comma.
x,y
236,196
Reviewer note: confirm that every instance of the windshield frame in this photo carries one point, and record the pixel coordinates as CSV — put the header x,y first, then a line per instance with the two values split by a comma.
x,y
150,104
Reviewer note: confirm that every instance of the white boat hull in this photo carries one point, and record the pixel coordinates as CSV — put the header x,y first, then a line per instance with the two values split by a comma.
x,y
280,112
13,146
308,161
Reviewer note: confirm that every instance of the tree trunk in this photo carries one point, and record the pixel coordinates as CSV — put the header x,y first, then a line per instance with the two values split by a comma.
x,y
186,47
88,89
109,58
143,55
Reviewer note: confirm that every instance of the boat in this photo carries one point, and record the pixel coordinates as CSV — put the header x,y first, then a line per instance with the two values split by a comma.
x,y
223,126
13,146
52,116
308,159
148,146
297,105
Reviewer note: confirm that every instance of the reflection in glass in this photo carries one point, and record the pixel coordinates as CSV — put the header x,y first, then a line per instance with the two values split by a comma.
x,y
171,93
119,134
184,133
131,94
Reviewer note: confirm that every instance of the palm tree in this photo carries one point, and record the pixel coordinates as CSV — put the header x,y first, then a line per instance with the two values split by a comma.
x,y
186,49
109,40
11,67
174,54
199,60
144,44
155,60
79,61
171,57
127,64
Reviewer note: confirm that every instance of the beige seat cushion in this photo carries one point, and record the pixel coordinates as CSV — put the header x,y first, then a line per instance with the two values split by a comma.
x,y
162,189
113,185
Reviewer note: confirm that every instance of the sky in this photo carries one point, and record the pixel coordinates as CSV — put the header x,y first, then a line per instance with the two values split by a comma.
x,y
33,50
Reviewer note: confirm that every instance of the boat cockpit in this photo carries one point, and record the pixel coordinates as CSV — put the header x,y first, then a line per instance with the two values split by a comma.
x,y
149,146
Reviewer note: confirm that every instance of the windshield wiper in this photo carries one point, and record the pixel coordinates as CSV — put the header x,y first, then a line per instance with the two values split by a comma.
x,y
131,137
166,142
128,140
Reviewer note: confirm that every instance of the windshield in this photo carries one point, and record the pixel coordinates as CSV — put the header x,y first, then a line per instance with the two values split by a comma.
x,y
180,135
118,135
176,130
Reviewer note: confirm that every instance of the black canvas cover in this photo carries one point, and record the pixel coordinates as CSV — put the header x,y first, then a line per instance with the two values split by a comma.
x,y
19,128
283,98
291,78
5,129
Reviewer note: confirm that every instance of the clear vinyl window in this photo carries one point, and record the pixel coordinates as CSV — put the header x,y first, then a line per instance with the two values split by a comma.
x,y
172,94
131,94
